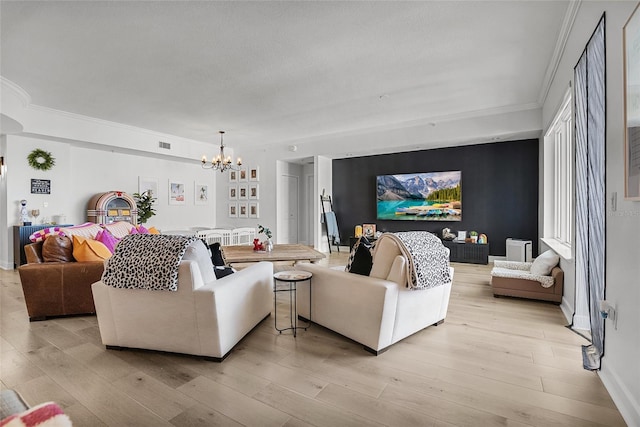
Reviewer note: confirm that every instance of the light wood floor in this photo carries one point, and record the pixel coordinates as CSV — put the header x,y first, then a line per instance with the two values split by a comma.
x,y
494,362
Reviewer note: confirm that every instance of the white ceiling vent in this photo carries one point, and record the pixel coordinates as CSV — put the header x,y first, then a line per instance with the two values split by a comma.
x,y
165,145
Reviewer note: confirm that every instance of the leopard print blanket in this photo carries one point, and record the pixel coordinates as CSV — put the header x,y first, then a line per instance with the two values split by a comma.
x,y
428,258
146,261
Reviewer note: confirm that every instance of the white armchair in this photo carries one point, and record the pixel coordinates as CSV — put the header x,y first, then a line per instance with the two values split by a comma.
x,y
204,317
376,310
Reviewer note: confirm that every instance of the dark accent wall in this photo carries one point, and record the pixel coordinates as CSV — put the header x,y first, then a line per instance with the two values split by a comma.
x,y
499,190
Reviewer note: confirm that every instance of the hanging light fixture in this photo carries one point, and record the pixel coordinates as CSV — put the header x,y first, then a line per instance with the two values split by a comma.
x,y
221,162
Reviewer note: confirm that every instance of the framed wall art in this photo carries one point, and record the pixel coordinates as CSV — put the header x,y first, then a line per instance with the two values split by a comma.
x,y
254,174
201,194
242,175
147,183
233,210
243,192
233,192
631,43
254,210
254,191
176,193
233,176
243,210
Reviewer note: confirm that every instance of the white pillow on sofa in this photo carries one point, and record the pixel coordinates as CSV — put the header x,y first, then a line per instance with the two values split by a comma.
x,y
543,265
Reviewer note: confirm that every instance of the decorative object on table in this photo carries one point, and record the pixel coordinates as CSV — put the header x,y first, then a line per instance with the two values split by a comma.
x,y
145,202
631,41
369,231
268,244
221,162
358,231
35,213
24,213
473,235
201,194
41,160
40,186
447,234
257,245
482,239
462,236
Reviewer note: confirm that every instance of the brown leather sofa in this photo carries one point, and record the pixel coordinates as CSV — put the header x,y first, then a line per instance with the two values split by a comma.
x,y
57,288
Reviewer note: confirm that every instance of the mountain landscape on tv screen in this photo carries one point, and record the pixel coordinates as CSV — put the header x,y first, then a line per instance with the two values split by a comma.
x,y
433,196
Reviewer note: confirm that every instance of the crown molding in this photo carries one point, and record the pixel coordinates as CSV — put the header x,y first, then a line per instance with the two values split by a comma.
x,y
22,94
561,43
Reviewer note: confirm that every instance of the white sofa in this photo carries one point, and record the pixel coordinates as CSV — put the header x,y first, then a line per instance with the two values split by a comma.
x,y
204,317
376,310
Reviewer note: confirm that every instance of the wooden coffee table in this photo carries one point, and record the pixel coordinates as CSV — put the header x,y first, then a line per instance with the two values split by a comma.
x,y
292,253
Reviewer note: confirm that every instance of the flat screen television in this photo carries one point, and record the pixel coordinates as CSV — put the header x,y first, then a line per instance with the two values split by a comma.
x,y
428,196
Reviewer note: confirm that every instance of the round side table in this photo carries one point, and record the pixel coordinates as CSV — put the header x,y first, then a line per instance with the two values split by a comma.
x,y
287,281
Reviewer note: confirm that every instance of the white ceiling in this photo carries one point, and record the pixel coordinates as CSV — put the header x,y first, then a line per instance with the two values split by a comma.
x,y
280,72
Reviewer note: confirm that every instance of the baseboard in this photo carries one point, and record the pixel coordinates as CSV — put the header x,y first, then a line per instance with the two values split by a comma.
x,y
567,310
625,401
582,323
6,265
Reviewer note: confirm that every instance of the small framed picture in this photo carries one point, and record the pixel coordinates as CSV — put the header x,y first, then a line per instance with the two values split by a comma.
x,y
242,175
233,210
254,174
254,210
176,193
243,192
233,192
201,194
369,230
243,210
233,176
254,191
462,235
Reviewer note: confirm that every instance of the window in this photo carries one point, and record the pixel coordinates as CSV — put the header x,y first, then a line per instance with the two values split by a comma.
x,y
558,180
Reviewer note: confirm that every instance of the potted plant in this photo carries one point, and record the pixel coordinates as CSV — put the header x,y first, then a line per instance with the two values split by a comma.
x,y
145,202
474,236
268,244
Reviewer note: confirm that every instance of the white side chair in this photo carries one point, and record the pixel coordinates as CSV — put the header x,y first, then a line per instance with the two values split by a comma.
x,y
243,236
212,236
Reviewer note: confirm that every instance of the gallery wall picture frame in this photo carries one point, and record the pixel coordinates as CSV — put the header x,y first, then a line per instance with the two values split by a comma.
x,y
254,210
254,191
233,210
242,175
243,210
243,192
148,183
233,192
254,174
200,194
631,41
176,192
233,176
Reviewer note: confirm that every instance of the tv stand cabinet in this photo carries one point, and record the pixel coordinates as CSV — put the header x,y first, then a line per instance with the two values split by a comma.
x,y
474,253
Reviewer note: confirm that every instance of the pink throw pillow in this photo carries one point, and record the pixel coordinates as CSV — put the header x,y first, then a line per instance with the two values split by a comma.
x,y
133,231
142,229
106,238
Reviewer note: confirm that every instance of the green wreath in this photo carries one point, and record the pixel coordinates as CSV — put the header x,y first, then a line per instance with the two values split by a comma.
x,y
41,160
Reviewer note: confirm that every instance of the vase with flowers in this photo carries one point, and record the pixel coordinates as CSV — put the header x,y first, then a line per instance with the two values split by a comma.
x,y
268,244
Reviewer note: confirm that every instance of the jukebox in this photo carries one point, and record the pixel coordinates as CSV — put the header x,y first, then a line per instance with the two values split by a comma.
x,y
112,206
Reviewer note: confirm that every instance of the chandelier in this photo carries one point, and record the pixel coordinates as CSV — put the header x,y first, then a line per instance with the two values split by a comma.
x,y
220,162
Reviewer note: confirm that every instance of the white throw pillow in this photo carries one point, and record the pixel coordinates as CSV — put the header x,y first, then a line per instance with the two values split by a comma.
x,y
543,265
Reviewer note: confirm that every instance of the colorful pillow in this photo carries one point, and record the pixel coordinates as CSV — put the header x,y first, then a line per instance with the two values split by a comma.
x,y
57,248
87,250
40,235
47,414
119,229
87,230
153,230
142,229
106,238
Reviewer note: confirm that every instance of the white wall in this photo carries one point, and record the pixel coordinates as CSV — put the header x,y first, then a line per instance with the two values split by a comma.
x,y
81,172
620,368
